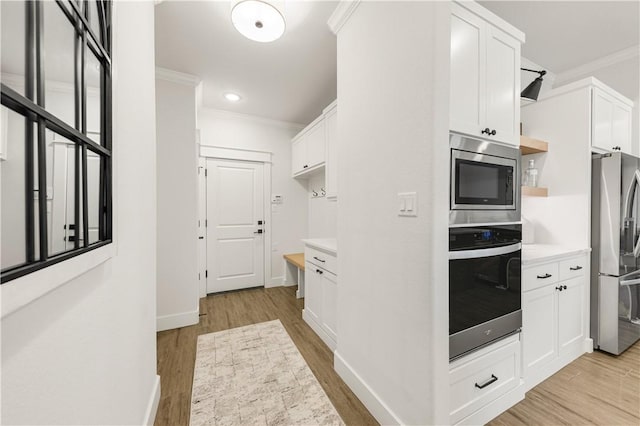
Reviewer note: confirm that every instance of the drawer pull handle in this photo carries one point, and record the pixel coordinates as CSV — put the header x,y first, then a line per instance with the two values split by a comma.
x,y
493,379
319,260
544,277
575,268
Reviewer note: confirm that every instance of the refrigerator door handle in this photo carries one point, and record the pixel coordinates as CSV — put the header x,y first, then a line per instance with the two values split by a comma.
x,y
630,221
630,282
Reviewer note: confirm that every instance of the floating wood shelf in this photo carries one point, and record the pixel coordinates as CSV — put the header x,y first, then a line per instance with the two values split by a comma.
x,y
535,192
532,146
296,259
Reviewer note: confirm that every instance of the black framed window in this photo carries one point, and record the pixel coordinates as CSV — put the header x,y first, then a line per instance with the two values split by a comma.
x,y
55,132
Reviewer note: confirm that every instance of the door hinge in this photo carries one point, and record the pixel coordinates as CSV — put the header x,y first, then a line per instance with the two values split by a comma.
x,y
205,172
206,223
206,273
199,276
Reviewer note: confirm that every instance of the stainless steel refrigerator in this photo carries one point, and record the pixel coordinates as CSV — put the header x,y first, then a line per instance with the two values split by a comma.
x,y
615,256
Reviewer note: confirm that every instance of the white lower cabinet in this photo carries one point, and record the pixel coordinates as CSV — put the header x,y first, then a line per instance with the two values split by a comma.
x,y
486,382
321,294
554,323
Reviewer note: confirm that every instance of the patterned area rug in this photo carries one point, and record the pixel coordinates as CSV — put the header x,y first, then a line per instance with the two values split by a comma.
x,y
255,375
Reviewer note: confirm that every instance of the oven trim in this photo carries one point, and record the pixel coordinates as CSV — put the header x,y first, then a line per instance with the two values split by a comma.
x,y
478,336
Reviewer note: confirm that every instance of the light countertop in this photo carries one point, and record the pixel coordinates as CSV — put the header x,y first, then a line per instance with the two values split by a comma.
x,y
328,244
540,253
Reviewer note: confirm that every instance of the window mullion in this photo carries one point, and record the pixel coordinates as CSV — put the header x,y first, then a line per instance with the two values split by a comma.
x,y
42,159
30,41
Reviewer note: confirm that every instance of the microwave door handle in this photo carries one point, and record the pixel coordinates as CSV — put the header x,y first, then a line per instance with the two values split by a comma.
x,y
476,254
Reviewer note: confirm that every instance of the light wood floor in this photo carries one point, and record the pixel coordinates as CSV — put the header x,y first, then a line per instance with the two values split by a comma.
x,y
594,389
177,350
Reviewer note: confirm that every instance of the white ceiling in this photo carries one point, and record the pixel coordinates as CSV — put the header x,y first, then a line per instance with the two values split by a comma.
x,y
291,79
562,35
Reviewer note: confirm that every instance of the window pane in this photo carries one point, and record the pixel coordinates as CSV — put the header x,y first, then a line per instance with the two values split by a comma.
x,y
94,163
59,36
12,179
93,72
94,20
12,28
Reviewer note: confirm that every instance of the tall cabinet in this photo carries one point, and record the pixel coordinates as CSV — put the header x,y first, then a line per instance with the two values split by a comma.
x,y
485,75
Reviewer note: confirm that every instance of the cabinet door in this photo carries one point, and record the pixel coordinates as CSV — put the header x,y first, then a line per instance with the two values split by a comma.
x,y
602,121
315,144
331,166
539,327
621,127
329,302
313,292
503,86
467,91
298,155
571,326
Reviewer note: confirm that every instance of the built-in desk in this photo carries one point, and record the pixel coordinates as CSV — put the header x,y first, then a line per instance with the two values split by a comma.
x,y
294,272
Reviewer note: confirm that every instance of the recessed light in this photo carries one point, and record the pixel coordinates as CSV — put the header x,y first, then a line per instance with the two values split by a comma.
x,y
258,20
233,97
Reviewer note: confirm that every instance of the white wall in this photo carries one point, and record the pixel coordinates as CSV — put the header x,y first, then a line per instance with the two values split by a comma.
x,y
289,220
177,181
85,353
563,217
393,271
323,213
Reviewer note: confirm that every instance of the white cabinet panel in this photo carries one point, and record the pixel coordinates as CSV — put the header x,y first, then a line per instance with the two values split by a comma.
x,y
313,292
539,329
570,314
467,72
602,120
329,304
298,156
331,167
315,145
621,127
502,101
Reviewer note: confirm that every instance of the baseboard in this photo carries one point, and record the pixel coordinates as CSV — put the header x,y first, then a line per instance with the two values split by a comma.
x,y
588,345
183,319
154,401
369,398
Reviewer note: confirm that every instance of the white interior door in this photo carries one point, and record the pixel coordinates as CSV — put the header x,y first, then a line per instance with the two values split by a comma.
x,y
235,230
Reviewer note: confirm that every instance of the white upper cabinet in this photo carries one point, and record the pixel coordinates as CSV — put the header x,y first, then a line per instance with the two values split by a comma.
x,y
611,122
308,148
485,75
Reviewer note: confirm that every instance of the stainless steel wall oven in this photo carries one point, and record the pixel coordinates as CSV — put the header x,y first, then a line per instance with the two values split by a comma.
x,y
484,285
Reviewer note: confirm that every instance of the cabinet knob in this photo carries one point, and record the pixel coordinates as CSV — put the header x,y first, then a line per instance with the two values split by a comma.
x,y
488,131
564,287
559,288
305,166
319,271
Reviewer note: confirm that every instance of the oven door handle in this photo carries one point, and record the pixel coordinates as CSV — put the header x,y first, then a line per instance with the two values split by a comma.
x,y
475,254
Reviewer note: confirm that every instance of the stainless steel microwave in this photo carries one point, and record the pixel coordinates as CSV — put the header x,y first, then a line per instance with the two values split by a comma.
x,y
485,182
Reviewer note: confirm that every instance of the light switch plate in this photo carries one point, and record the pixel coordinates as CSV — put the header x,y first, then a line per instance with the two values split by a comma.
x,y
408,204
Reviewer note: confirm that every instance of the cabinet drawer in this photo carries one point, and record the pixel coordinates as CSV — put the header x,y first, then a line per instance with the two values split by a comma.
x,y
571,268
321,258
482,379
540,275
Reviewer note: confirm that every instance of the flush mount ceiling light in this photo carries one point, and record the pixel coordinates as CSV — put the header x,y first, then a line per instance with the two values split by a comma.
x,y
233,97
258,20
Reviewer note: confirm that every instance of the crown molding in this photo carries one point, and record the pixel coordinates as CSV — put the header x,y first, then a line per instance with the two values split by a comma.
x,y
177,77
254,118
341,15
590,67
